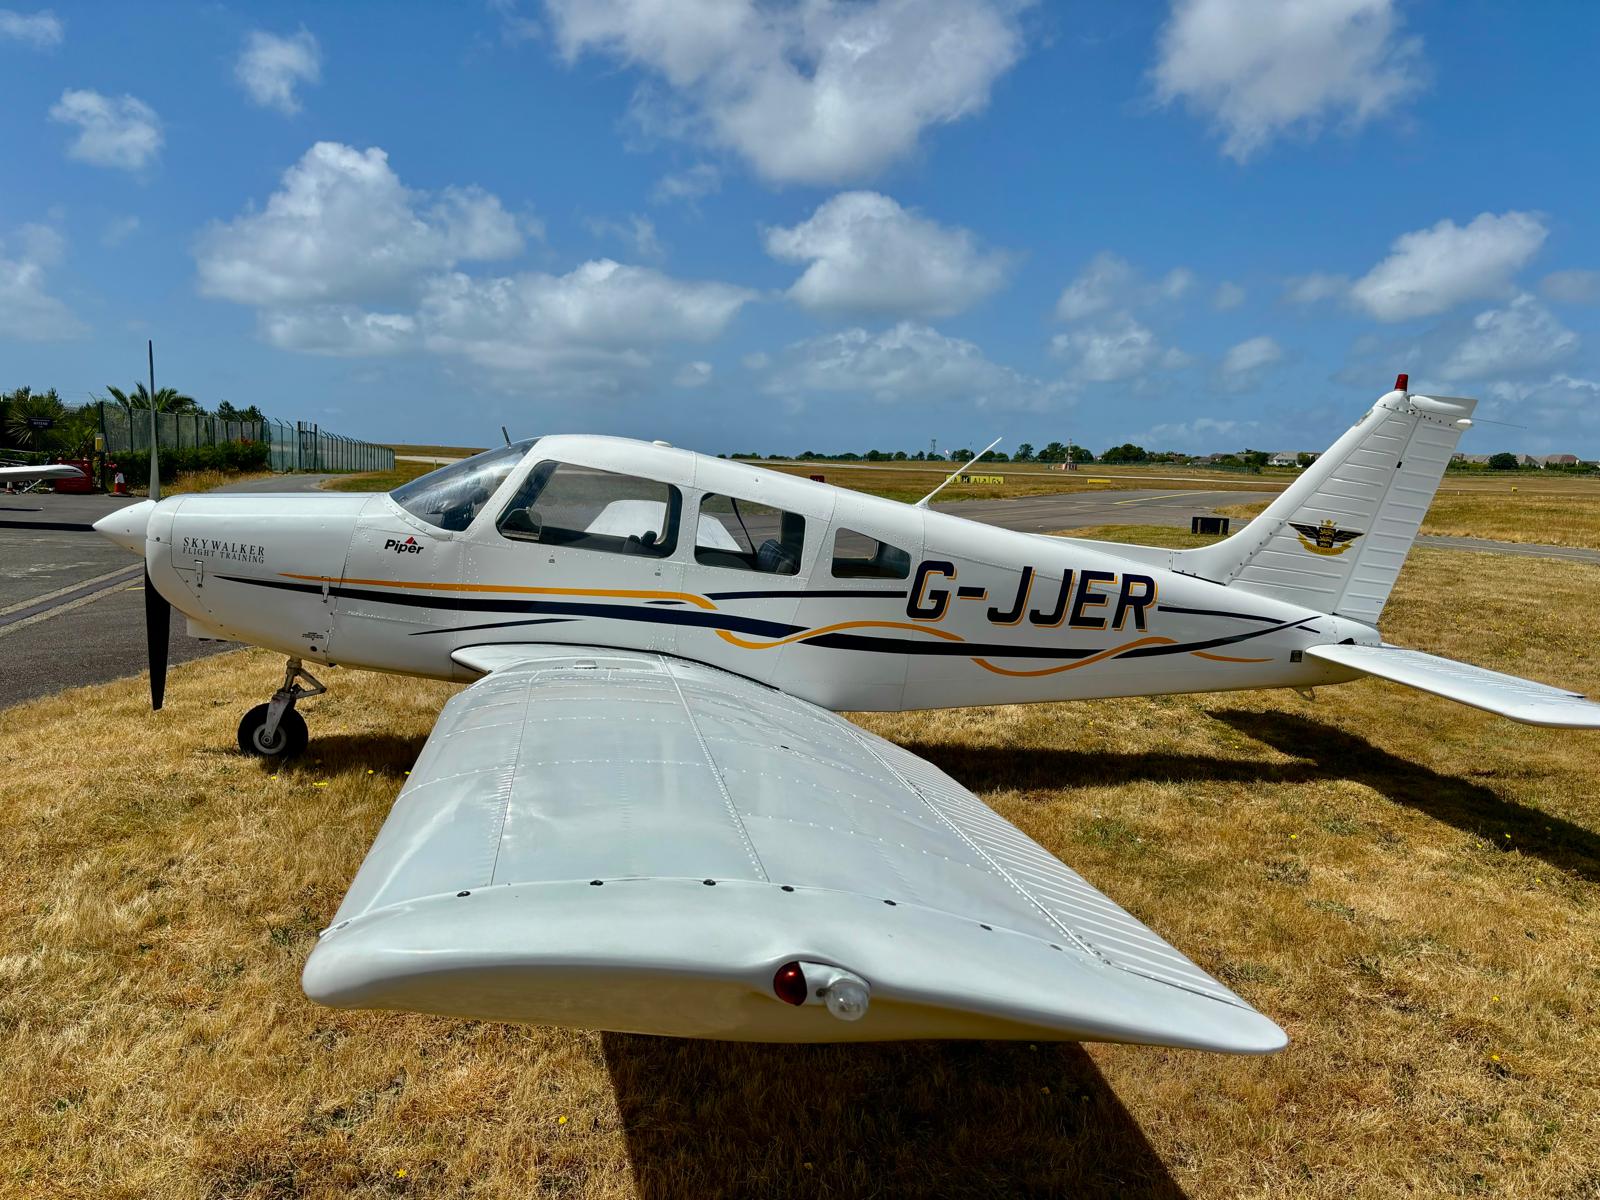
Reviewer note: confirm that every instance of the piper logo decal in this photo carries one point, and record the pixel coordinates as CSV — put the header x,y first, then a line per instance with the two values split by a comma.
x,y
409,546
1324,538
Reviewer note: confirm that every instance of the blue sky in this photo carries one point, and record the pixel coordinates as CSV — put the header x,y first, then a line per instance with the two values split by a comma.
x,y
737,225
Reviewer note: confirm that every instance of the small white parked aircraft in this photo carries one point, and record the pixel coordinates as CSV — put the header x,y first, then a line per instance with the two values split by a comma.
x,y
12,475
645,816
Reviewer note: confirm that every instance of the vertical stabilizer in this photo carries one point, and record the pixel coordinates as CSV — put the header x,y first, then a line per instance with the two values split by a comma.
x,y
1336,539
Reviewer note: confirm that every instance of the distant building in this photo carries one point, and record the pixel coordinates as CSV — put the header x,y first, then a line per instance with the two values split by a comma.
x,y
1284,458
1560,460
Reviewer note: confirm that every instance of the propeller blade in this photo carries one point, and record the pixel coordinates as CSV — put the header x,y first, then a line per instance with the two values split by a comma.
x,y
157,627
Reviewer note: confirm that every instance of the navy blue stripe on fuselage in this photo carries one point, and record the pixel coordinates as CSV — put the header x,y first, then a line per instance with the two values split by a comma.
x,y
728,621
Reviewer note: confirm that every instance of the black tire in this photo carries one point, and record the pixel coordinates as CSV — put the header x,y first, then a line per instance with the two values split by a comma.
x,y
291,738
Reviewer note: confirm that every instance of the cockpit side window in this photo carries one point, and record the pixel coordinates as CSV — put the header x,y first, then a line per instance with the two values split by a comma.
x,y
860,556
452,496
745,536
584,508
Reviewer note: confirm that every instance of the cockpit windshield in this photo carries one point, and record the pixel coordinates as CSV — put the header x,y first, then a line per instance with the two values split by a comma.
x,y
453,495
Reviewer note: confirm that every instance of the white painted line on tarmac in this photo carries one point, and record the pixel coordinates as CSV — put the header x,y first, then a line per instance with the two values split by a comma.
x,y
24,622
72,587
1167,496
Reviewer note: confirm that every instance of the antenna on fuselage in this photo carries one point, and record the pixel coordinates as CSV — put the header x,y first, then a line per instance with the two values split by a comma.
x,y
505,435
923,503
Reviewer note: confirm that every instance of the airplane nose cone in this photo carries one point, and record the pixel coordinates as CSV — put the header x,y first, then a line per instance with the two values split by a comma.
x,y
126,526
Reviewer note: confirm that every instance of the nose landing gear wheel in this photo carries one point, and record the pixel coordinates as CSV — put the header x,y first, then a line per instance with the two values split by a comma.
x,y
287,741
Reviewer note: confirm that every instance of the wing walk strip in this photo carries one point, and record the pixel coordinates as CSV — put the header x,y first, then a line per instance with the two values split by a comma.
x,y
1184,974
722,784
1152,957
726,625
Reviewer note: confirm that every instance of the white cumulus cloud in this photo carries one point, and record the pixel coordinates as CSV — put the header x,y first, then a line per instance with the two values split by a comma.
x,y
813,93
868,255
1263,68
342,226
270,68
1431,270
1251,355
1114,350
341,330
1112,282
113,131
1201,435
28,312
1519,337
908,363
41,30
601,314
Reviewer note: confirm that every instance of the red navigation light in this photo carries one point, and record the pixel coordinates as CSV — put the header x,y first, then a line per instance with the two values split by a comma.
x,y
1402,381
790,984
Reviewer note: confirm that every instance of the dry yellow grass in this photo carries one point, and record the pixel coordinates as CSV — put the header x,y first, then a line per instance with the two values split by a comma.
x,y
205,481
1557,511
910,481
1409,887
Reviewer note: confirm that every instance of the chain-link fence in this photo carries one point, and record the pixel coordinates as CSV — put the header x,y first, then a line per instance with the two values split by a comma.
x,y
298,447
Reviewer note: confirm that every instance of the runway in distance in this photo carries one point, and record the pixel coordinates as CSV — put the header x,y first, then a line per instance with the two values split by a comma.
x,y
644,814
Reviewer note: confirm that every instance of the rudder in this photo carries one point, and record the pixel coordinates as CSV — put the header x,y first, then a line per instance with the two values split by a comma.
x,y
1336,539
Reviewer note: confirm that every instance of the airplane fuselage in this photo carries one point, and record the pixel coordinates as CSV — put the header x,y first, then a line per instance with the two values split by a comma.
x,y
947,612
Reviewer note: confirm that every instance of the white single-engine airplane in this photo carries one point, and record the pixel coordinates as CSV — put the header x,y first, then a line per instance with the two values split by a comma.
x,y
645,814
12,475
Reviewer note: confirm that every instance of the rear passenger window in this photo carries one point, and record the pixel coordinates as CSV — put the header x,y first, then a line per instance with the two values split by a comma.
x,y
560,504
857,556
745,536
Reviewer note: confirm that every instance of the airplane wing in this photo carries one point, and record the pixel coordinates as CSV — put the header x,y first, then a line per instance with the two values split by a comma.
x,y
1520,699
622,840
56,471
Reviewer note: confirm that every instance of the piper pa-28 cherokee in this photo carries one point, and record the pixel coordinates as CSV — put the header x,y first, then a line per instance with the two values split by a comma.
x,y
644,815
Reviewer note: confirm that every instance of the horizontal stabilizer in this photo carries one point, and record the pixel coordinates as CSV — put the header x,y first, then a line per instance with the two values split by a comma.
x,y
1520,699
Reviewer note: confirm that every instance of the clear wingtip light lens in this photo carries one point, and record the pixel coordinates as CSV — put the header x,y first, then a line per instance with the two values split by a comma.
x,y
847,999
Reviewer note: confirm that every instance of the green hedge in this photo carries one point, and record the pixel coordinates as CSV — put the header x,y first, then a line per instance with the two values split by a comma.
x,y
224,456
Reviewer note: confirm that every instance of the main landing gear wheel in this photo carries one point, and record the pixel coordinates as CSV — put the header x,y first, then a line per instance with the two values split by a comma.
x,y
287,741
274,729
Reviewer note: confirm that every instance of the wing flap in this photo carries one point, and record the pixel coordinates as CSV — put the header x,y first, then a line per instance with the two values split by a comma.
x,y
629,827
1520,699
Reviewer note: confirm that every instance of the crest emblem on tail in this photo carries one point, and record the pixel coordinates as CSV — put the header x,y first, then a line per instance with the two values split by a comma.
x,y
1324,538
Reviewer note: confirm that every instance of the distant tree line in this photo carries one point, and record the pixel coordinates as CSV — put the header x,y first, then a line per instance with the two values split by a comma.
x,y
1055,452
43,422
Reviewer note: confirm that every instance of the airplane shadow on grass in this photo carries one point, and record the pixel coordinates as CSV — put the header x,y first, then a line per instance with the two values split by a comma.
x,y
877,1119
1321,751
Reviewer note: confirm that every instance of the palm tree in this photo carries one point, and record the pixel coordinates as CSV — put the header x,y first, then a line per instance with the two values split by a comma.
x,y
167,399
23,407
